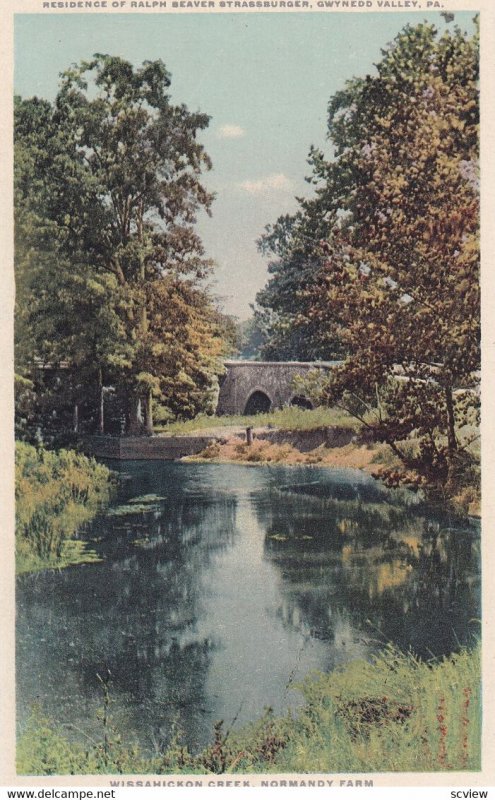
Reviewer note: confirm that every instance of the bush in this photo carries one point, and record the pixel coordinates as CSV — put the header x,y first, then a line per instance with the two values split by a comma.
x,y
211,450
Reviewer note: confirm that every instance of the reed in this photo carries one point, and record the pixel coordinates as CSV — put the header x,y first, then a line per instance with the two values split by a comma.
x,y
56,494
395,713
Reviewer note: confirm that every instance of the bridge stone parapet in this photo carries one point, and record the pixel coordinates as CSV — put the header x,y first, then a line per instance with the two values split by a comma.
x,y
250,387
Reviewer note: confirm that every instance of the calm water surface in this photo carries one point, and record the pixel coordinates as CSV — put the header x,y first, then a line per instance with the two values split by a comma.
x,y
221,586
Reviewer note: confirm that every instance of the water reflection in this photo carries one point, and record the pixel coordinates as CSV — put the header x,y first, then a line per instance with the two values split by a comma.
x,y
221,585
382,567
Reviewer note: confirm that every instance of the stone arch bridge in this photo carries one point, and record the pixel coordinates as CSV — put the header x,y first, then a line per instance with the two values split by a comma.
x,y
251,387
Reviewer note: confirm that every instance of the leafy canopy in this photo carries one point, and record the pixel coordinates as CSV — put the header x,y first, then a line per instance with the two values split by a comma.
x,y
384,259
110,268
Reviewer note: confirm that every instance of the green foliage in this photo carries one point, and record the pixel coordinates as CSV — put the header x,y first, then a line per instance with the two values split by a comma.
x,y
109,266
251,338
284,321
393,714
43,750
289,418
384,258
56,494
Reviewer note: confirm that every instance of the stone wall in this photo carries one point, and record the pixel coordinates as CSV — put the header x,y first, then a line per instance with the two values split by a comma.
x,y
305,441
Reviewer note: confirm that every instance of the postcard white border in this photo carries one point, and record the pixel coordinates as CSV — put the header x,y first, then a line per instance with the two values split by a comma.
x,y
485,778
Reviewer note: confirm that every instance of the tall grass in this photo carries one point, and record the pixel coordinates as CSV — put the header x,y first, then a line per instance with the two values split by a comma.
x,y
289,418
393,714
56,493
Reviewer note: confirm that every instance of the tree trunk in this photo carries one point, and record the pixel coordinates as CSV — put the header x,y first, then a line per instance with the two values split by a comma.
x,y
149,413
142,271
135,422
451,437
101,404
75,418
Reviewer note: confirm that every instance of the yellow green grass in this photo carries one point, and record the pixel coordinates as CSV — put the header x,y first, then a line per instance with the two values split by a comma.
x,y
56,494
289,418
392,714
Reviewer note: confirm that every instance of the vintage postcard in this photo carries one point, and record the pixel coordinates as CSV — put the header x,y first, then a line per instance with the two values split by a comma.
x,y
246,386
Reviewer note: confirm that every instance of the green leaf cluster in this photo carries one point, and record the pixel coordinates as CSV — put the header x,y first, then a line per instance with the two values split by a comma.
x,y
109,267
381,265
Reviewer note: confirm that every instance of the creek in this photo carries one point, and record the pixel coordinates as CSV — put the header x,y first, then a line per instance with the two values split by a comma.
x,y
221,586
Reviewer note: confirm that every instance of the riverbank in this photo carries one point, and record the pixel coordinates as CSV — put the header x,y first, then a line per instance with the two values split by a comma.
x,y
333,447
293,448
393,714
289,436
56,493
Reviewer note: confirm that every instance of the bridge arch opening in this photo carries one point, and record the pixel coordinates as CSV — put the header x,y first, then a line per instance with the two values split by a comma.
x,y
258,403
301,402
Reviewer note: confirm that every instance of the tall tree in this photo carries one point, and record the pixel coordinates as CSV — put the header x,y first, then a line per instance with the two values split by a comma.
x,y
398,279
120,187
65,309
282,310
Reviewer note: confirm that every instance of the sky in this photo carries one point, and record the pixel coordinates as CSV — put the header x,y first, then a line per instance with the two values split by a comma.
x,y
265,80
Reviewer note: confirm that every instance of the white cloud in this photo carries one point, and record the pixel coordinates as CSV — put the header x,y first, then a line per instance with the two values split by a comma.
x,y
264,186
231,132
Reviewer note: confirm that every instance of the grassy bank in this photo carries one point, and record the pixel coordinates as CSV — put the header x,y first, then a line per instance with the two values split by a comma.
x,y
263,452
291,418
393,714
56,494
377,458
